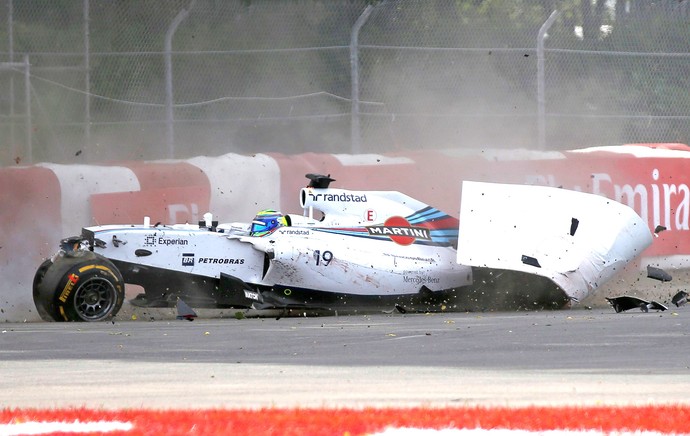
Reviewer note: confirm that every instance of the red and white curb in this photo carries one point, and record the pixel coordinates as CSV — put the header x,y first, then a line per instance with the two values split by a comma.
x,y
549,421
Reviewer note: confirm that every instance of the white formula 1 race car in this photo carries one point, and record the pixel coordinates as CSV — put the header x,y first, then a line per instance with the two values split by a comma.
x,y
353,252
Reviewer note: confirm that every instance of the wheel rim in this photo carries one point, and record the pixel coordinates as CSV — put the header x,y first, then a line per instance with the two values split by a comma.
x,y
95,299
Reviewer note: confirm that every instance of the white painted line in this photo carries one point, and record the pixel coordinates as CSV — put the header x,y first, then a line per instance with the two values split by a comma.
x,y
34,428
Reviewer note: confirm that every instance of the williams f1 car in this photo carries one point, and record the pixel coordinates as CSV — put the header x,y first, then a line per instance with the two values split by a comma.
x,y
351,252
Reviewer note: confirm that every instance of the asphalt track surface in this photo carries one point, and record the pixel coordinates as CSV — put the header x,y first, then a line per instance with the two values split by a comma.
x,y
571,357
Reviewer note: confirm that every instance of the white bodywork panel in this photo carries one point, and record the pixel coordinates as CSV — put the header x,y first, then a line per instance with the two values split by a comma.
x,y
354,249
500,224
181,248
344,207
314,259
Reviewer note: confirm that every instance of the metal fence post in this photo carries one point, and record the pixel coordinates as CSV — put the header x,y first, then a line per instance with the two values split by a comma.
x,y
354,74
541,99
87,80
10,38
170,118
27,96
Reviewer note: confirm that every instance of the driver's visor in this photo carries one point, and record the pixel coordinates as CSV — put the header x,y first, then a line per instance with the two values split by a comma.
x,y
259,226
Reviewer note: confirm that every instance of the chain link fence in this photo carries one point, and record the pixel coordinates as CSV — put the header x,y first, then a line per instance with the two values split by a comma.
x,y
99,80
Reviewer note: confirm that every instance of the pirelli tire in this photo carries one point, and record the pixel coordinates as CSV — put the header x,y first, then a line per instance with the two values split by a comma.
x,y
78,286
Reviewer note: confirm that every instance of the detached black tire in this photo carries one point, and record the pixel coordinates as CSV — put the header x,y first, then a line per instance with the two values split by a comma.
x,y
78,286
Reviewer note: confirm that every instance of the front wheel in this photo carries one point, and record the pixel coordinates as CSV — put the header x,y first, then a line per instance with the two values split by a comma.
x,y
78,286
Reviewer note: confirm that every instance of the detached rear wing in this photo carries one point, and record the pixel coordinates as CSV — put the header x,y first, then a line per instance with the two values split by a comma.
x,y
577,240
